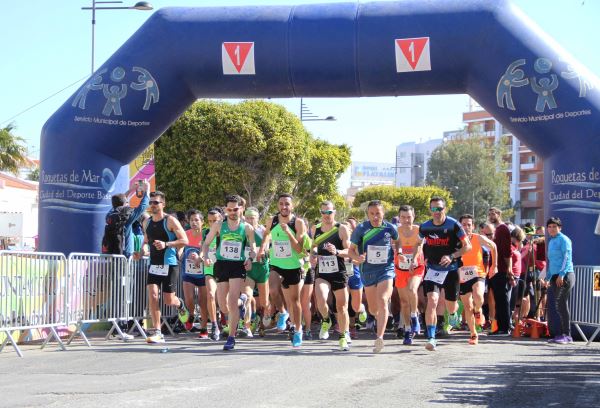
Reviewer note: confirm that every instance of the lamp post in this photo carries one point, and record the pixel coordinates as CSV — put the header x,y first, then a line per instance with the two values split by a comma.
x,y
307,116
140,5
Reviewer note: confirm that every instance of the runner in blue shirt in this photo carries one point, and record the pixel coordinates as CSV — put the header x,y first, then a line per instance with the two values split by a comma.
x,y
372,246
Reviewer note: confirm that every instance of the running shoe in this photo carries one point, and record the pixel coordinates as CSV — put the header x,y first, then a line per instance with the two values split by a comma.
x,y
128,337
243,299
415,326
378,346
431,344
281,321
408,336
203,333
353,333
184,314
267,321
400,332
155,338
247,332
344,344
297,339
225,330
362,314
474,340
215,334
348,337
255,324
479,318
307,335
561,339
230,344
324,332
188,325
453,319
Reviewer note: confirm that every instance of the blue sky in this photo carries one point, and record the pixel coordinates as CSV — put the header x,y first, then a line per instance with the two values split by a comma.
x,y
46,45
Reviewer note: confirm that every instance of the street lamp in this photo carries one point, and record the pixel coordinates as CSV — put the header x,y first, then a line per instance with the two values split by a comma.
x,y
307,116
140,5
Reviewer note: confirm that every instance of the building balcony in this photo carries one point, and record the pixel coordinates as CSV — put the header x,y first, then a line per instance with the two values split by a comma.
x,y
537,203
532,185
531,167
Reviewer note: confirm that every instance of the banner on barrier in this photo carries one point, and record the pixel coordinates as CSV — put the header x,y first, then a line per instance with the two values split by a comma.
x,y
596,285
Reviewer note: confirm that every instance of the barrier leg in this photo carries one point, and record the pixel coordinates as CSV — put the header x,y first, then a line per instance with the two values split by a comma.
x,y
593,336
166,323
581,332
140,329
10,338
54,333
79,330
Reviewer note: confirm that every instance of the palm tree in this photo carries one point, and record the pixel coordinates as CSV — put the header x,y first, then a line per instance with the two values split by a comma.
x,y
13,154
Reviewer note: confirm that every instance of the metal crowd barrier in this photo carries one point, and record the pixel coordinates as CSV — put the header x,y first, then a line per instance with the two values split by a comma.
x,y
32,296
98,292
585,307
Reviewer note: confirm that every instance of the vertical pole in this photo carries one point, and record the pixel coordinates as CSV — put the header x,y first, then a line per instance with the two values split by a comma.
x,y
93,31
301,108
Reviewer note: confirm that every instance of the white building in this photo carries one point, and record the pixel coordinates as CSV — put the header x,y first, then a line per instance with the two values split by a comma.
x,y
412,160
18,212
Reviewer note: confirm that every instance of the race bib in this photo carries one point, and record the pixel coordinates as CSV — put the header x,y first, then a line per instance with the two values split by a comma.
x,y
212,254
282,249
231,250
192,269
328,264
349,268
433,275
377,254
466,273
406,265
160,270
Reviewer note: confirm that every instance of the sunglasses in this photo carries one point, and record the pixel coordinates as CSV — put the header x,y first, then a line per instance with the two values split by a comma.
x,y
328,212
153,202
437,209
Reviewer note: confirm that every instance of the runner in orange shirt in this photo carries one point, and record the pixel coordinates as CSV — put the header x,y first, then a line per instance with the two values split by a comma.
x,y
472,276
407,282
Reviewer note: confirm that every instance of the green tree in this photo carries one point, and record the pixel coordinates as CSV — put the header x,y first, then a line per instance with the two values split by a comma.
x,y
256,149
417,197
34,175
473,170
327,163
13,154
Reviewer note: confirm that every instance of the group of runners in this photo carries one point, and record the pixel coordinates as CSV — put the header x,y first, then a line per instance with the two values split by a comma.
x,y
249,277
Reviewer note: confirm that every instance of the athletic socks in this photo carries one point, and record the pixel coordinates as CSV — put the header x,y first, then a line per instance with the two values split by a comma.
x,y
430,331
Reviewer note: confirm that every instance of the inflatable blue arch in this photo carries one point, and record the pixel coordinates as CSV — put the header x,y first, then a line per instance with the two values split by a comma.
x,y
488,49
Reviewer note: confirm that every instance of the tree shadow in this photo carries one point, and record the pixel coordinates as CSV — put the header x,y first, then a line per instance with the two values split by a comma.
x,y
527,383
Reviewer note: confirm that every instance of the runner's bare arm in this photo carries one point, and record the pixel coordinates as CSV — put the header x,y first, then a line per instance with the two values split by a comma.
x,y
251,241
266,240
354,255
209,239
466,247
344,233
491,246
174,226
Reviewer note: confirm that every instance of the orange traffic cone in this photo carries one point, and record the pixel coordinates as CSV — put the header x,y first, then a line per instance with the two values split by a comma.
x,y
535,334
494,326
517,331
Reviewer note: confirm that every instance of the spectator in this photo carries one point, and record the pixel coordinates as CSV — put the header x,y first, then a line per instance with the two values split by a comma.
x,y
503,281
560,274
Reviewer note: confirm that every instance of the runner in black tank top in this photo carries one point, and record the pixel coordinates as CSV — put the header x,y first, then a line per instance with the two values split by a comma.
x,y
330,244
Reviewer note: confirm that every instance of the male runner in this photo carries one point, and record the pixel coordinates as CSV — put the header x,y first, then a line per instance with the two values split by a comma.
x,y
472,276
164,235
192,275
231,266
258,276
372,245
408,279
286,232
445,242
330,245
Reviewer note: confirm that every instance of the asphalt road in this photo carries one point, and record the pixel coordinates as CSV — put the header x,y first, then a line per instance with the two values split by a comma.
x,y
269,373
